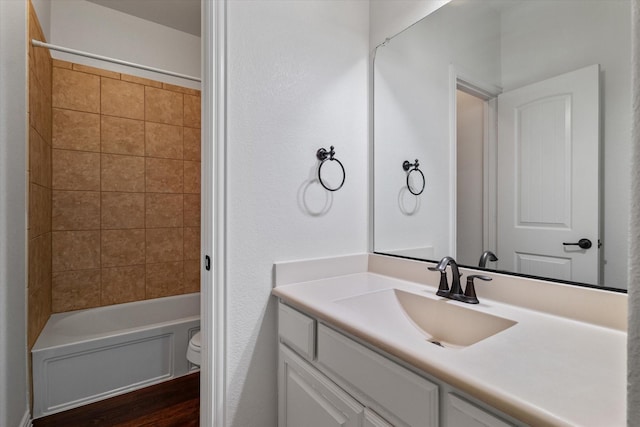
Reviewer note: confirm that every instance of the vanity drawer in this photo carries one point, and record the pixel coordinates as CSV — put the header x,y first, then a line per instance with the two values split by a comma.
x,y
413,399
297,330
461,413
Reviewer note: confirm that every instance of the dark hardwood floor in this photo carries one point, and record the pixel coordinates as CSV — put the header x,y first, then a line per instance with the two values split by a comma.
x,y
174,403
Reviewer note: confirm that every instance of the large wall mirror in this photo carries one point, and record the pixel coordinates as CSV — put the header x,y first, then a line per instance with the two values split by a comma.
x,y
505,126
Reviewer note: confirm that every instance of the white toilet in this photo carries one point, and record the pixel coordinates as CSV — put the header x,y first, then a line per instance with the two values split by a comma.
x,y
193,352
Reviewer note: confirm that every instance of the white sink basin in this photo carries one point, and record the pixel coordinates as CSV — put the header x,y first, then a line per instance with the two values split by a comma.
x,y
439,321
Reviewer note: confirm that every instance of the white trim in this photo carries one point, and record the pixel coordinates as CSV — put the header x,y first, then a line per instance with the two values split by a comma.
x,y
26,420
206,232
220,212
371,244
14,73
474,86
490,175
461,79
212,288
453,161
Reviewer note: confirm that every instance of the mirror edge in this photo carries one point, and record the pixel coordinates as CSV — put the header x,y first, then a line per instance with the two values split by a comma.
x,y
511,273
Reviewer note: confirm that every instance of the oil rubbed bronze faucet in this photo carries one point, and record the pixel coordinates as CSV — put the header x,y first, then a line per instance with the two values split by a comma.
x,y
455,293
443,289
487,256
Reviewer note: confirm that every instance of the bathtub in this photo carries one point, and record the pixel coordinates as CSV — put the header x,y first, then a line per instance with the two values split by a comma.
x,y
88,355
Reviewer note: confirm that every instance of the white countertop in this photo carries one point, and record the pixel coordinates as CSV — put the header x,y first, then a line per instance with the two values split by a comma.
x,y
545,370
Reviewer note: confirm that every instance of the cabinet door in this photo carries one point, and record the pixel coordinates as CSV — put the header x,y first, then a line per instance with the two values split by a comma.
x,y
309,399
461,413
371,419
413,400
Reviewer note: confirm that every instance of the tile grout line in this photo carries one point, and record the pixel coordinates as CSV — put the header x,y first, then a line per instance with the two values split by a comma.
x,y
144,142
101,192
183,227
100,165
50,148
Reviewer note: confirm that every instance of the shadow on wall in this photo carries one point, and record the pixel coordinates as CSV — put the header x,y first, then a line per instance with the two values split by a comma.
x,y
256,375
313,199
408,203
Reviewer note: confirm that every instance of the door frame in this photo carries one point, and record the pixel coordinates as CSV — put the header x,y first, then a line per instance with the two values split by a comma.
x,y
461,79
213,223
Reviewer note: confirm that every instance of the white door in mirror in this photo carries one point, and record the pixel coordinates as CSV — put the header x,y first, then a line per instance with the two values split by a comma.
x,y
545,130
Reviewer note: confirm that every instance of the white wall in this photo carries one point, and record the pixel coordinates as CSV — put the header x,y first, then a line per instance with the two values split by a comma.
x,y
633,346
412,115
43,10
470,177
13,124
388,18
565,38
297,81
81,25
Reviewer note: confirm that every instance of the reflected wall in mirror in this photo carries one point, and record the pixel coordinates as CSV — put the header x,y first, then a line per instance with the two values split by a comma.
x,y
519,112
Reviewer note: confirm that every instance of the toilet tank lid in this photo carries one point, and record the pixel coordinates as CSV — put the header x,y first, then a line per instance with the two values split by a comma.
x,y
195,340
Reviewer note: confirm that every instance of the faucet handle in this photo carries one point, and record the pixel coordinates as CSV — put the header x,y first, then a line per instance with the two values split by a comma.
x,y
470,290
443,287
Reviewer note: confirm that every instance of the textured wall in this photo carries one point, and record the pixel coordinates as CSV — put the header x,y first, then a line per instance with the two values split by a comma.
x,y
633,357
388,18
126,188
297,81
470,177
39,172
14,402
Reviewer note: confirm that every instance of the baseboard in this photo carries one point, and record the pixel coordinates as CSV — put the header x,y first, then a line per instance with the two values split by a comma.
x,y
26,420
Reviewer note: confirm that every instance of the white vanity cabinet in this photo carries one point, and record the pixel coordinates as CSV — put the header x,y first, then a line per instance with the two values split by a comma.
x,y
371,419
461,413
308,398
328,379
404,397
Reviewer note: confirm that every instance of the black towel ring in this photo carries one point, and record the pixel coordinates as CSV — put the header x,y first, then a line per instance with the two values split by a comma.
x,y
324,155
406,166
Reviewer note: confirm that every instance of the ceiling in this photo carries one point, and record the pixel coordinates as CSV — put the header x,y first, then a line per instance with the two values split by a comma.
x,y
182,15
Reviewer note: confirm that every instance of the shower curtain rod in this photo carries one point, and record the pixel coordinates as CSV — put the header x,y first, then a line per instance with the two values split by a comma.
x,y
38,43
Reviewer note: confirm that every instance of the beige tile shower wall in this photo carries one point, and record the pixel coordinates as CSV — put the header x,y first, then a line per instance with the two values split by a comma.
x,y
39,172
126,188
